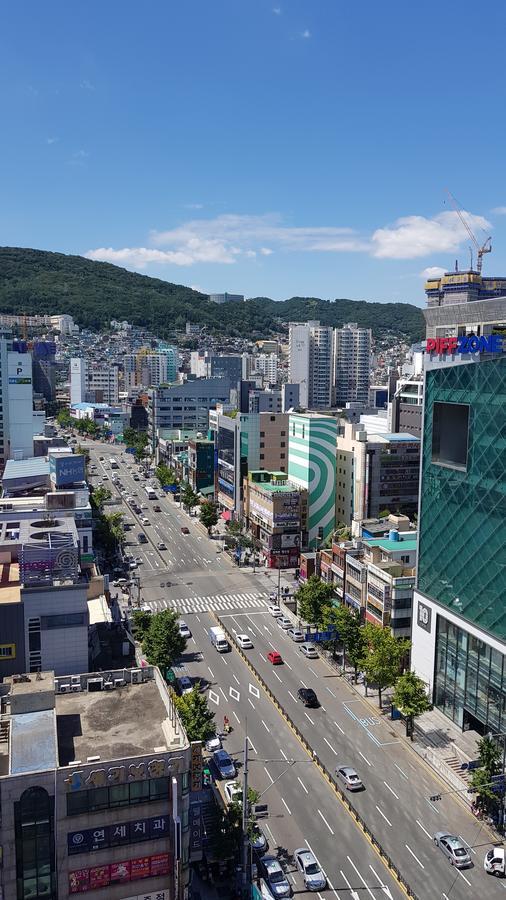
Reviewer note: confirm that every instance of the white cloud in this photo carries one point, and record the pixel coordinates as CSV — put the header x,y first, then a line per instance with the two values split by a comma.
x,y
87,85
432,272
229,237
414,236
306,33
276,10
499,210
194,206
52,140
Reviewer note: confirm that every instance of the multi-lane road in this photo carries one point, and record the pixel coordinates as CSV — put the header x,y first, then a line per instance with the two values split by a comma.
x,y
202,583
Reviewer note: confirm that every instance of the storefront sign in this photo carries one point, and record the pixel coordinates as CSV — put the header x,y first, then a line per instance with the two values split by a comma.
x,y
493,343
424,617
195,828
196,765
84,880
155,768
105,836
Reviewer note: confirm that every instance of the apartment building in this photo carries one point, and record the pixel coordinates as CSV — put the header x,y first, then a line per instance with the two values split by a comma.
x,y
275,511
351,364
310,363
93,381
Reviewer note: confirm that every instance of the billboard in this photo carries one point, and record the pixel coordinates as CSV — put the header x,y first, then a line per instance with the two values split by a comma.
x,y
66,469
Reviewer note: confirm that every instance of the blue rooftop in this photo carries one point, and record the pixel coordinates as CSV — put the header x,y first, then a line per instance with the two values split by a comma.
x,y
403,436
25,468
33,742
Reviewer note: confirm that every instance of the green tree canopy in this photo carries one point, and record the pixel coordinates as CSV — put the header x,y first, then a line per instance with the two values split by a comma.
x,y
141,620
166,476
98,497
384,657
188,496
197,718
313,599
209,514
410,697
489,756
163,644
351,634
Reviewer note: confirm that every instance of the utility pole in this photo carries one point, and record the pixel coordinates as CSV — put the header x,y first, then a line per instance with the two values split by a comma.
x,y
245,820
279,579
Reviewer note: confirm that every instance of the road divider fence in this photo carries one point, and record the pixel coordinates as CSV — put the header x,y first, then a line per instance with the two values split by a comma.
x,y
340,792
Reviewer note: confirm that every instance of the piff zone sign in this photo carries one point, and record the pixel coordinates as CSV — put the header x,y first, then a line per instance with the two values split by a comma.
x,y
493,343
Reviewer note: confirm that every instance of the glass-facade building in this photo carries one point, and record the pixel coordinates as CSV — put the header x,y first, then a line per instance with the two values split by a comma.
x,y
459,629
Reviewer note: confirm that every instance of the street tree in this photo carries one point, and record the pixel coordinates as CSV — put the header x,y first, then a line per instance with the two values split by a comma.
x,y
313,599
163,644
197,718
189,497
209,514
141,620
410,697
488,795
64,418
99,496
166,476
351,635
116,529
383,658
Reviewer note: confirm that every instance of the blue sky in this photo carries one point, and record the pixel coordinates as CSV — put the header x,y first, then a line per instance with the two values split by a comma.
x,y
267,148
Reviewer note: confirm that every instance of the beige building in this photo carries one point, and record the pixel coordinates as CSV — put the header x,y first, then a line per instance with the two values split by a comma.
x,y
273,448
275,511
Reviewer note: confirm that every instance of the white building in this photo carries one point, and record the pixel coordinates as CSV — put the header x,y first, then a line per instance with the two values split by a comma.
x,y
93,382
351,364
310,359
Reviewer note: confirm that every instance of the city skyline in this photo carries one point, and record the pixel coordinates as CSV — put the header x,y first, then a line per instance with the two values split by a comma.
x,y
271,150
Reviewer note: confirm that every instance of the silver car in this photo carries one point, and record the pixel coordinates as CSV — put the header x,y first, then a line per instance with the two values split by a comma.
x,y
454,849
296,634
275,877
284,622
350,778
309,650
310,869
257,839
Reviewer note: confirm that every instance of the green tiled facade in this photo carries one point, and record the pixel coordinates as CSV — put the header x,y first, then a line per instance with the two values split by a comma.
x,y
462,528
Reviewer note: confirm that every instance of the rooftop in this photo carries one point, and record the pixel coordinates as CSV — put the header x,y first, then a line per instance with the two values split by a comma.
x,y
405,544
9,583
23,468
402,437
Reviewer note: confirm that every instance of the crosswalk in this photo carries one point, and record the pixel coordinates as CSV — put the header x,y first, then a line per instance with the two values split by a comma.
x,y
216,602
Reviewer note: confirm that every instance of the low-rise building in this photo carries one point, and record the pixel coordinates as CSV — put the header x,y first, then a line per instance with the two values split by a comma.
x,y
94,787
275,511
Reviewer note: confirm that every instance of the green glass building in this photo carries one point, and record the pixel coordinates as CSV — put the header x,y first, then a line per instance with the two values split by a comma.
x,y
459,626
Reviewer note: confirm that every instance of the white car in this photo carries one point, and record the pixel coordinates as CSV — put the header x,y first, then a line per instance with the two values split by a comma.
x,y
314,879
275,877
274,610
145,521
213,743
308,650
284,622
245,642
184,631
233,791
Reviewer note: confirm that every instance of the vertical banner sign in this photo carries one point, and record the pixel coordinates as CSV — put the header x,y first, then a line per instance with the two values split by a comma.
x,y
196,766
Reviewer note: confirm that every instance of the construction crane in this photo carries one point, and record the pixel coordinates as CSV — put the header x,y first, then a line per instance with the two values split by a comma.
x,y
486,247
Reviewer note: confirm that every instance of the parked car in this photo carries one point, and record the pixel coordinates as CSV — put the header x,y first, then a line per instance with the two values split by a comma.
x,y
213,743
185,529
275,877
274,610
233,792
308,650
495,861
161,545
308,697
257,839
349,777
284,622
310,869
296,634
184,631
225,766
145,521
185,684
454,849
142,538
244,642
274,657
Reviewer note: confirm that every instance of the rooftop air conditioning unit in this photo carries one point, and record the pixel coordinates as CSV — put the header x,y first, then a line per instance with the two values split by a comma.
x,y
108,685
64,688
75,679
136,676
75,688
119,682
95,684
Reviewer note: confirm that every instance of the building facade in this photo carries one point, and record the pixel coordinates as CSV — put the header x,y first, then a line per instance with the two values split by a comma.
x,y
351,364
185,406
310,363
312,466
275,512
93,381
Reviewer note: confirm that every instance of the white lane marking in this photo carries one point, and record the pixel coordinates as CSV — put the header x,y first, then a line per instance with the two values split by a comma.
x,y
324,819
364,758
391,790
338,726
424,829
313,671
214,698
270,832
332,888
383,814
402,773
291,695
250,742
303,786
309,717
237,717
254,690
381,885
323,709
250,701
303,684
464,877
236,678
269,774
223,694
414,857
265,726
286,806
331,747
224,660
330,692
234,694
288,665
277,676
433,806
368,889
283,754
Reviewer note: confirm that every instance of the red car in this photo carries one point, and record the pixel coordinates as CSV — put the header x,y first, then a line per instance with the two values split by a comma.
x,y
185,529
274,657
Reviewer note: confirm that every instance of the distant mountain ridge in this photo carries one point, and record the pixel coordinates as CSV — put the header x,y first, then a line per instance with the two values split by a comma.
x,y
42,282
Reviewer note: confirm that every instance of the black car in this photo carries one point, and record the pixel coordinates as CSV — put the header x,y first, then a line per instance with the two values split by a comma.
x,y
308,697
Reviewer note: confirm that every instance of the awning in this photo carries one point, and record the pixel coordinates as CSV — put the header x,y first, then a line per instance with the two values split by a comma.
x,y
226,515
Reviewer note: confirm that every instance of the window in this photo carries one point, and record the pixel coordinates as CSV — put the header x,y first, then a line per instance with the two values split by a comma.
x,y
65,620
262,456
151,790
273,418
262,445
283,434
283,444
262,434
35,854
450,434
282,455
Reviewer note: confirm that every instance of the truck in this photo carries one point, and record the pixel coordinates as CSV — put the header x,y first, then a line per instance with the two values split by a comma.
x,y
218,639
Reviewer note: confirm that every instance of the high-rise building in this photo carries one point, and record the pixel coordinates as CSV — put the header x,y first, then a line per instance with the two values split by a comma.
x,y
310,359
351,363
92,381
185,405
459,619
312,465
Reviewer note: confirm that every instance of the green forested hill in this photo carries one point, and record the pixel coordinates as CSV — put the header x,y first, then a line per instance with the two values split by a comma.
x,y
37,281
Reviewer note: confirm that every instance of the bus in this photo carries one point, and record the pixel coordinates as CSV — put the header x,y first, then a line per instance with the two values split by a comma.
x,y
113,463
150,492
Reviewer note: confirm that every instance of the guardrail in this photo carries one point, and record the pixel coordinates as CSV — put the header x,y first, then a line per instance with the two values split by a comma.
x,y
399,877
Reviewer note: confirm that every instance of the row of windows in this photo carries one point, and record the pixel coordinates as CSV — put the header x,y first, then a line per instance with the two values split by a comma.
x,y
151,790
